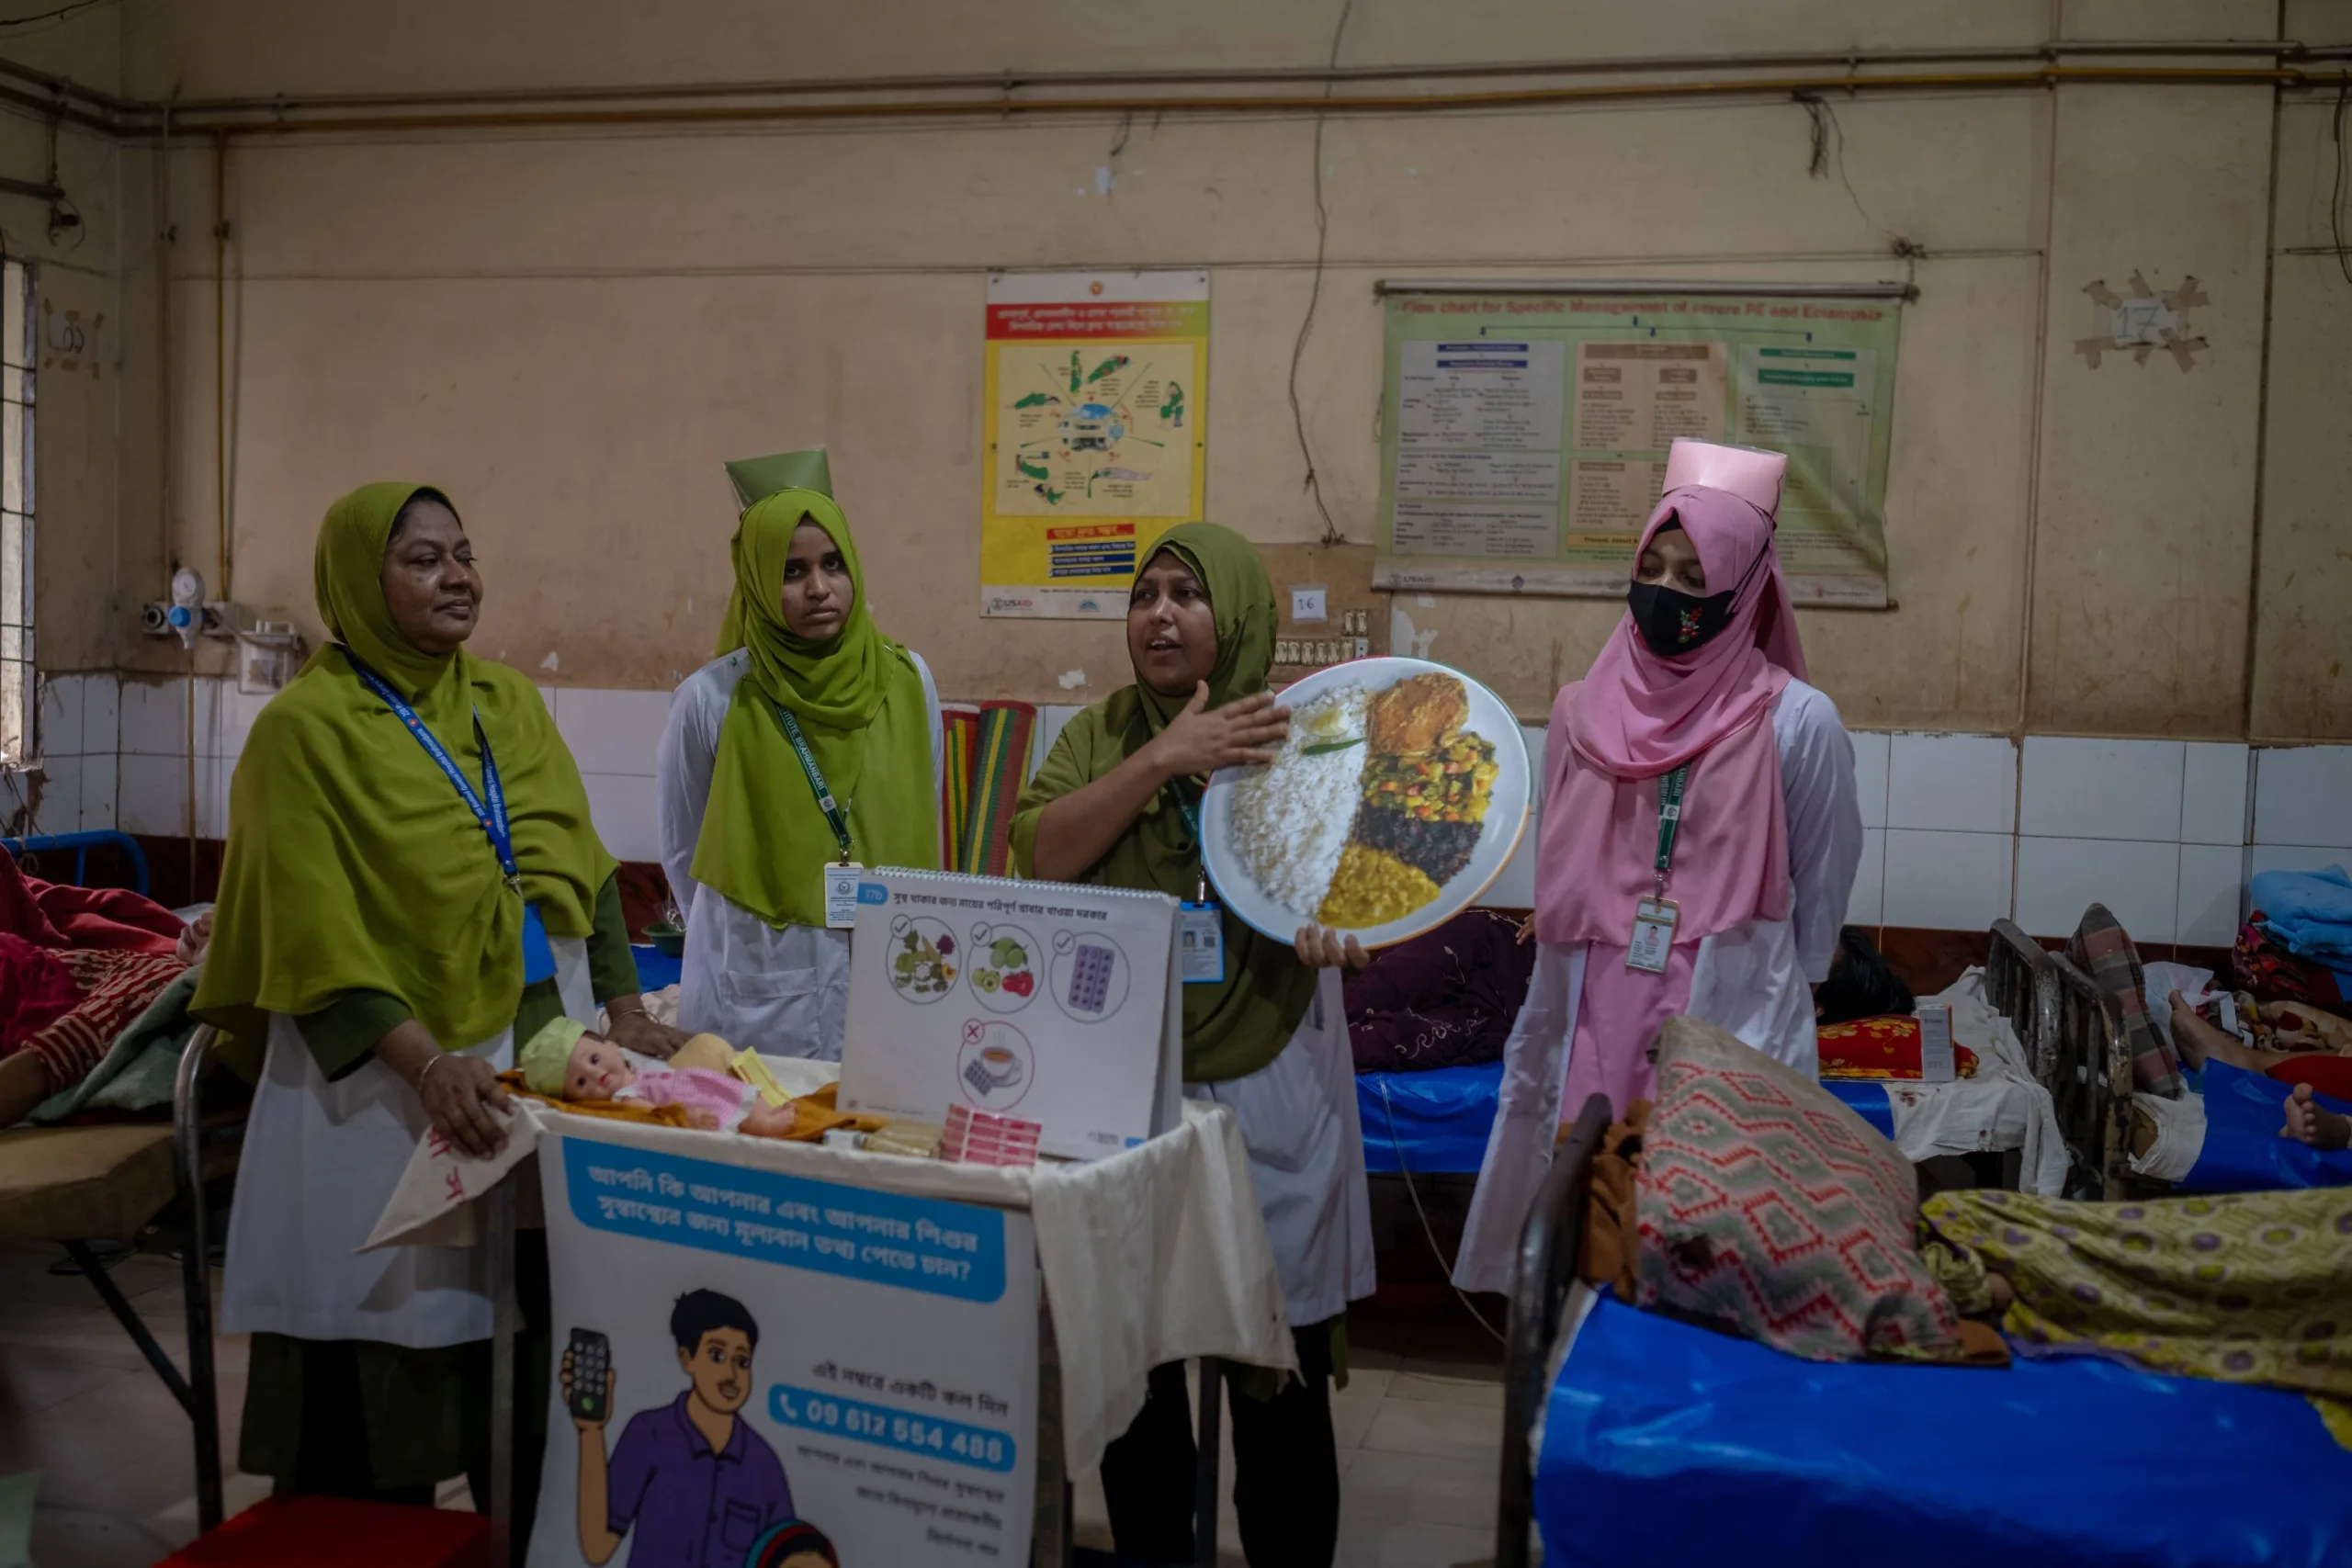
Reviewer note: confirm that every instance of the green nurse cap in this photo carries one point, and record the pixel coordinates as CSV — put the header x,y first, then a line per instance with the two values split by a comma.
x,y
756,479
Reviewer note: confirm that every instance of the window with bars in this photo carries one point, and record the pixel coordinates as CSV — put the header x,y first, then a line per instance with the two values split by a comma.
x,y
19,322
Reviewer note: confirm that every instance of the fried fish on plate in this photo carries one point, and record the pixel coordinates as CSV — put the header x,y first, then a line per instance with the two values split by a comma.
x,y
1417,712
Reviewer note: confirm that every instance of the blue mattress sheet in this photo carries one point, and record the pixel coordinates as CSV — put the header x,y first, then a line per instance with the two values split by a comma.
x,y
2243,1151
1866,1099
1441,1118
1430,1123
1665,1443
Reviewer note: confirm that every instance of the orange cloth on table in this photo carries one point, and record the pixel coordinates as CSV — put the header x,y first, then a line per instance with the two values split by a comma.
x,y
1880,1048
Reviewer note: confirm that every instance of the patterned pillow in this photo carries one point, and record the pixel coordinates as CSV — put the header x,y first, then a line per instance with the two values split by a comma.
x,y
1877,1048
1771,1211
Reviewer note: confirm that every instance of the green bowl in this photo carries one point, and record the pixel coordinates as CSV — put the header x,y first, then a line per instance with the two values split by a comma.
x,y
667,940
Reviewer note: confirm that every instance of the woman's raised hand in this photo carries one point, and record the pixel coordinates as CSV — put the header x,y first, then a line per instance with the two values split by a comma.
x,y
1201,739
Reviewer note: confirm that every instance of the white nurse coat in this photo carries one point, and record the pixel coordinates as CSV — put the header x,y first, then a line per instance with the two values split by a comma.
x,y
1755,981
784,992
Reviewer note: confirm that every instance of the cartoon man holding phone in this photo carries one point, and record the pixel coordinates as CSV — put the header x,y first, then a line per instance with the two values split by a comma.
x,y
697,1484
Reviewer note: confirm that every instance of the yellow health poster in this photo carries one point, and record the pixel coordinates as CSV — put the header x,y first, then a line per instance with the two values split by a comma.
x,y
1095,411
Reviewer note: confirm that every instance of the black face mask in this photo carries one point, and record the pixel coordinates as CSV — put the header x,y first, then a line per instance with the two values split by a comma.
x,y
1672,622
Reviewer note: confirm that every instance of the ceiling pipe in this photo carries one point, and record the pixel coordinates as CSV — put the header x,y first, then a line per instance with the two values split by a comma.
x,y
1256,104
1313,76
586,107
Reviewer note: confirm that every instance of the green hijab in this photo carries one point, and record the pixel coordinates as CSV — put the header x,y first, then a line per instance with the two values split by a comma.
x,y
1234,1027
352,863
859,701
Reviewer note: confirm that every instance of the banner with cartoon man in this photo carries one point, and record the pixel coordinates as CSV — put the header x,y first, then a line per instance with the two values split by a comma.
x,y
763,1370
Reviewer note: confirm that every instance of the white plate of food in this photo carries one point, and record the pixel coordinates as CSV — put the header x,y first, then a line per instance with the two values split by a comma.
x,y
1392,804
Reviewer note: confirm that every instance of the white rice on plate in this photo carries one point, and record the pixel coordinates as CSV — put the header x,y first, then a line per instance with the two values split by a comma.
x,y
1291,817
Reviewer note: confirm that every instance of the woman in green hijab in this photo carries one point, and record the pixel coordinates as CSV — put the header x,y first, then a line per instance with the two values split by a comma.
x,y
410,880
807,703
1116,803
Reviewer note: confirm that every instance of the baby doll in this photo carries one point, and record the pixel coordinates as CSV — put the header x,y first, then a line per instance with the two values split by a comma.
x,y
564,1061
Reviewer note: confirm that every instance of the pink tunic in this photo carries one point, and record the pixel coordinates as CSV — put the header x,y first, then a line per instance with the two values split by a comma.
x,y
696,1089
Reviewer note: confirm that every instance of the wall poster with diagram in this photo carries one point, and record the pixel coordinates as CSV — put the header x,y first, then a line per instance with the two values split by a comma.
x,y
1524,436
1093,409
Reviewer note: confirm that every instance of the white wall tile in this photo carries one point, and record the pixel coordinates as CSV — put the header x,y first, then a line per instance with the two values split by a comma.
x,y
2059,878
2302,795
2213,891
237,712
1535,735
2215,775
1952,784
101,715
155,717
153,795
1867,904
2293,857
548,695
60,794
1946,881
212,796
612,732
2074,787
98,774
59,732
1871,753
621,805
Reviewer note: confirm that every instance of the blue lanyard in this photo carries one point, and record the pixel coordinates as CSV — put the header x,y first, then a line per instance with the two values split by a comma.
x,y
493,818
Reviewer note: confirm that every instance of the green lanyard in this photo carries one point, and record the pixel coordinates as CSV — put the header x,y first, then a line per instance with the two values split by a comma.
x,y
1670,817
835,818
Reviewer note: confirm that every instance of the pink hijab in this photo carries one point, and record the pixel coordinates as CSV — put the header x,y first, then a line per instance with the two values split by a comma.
x,y
1636,716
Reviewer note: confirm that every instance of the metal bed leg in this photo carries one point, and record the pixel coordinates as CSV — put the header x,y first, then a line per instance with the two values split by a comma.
x,y
505,1320
1204,1471
117,1303
1549,1244
203,1401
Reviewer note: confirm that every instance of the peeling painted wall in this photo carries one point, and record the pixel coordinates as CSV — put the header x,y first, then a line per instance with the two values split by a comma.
x,y
570,330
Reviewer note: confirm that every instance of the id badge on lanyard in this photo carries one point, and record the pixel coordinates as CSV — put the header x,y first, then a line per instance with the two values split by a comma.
x,y
1200,924
1651,945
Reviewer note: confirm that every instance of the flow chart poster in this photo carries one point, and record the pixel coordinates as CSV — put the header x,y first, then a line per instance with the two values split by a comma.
x,y
1094,411
1524,437
754,1365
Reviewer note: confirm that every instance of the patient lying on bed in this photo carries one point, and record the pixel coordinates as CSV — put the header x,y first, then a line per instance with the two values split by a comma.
x,y
2306,1122
564,1061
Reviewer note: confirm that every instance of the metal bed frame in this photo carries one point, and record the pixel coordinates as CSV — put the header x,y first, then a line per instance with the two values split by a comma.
x,y
2090,1080
2022,984
82,844
1549,1245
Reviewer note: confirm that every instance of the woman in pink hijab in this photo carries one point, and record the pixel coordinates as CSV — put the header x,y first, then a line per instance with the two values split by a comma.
x,y
1699,838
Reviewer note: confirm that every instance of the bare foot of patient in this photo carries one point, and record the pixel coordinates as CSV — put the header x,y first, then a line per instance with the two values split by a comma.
x,y
2196,1040
2308,1124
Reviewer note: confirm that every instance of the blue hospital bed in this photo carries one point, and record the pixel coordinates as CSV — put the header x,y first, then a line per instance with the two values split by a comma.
x,y
1436,1122
1656,1441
